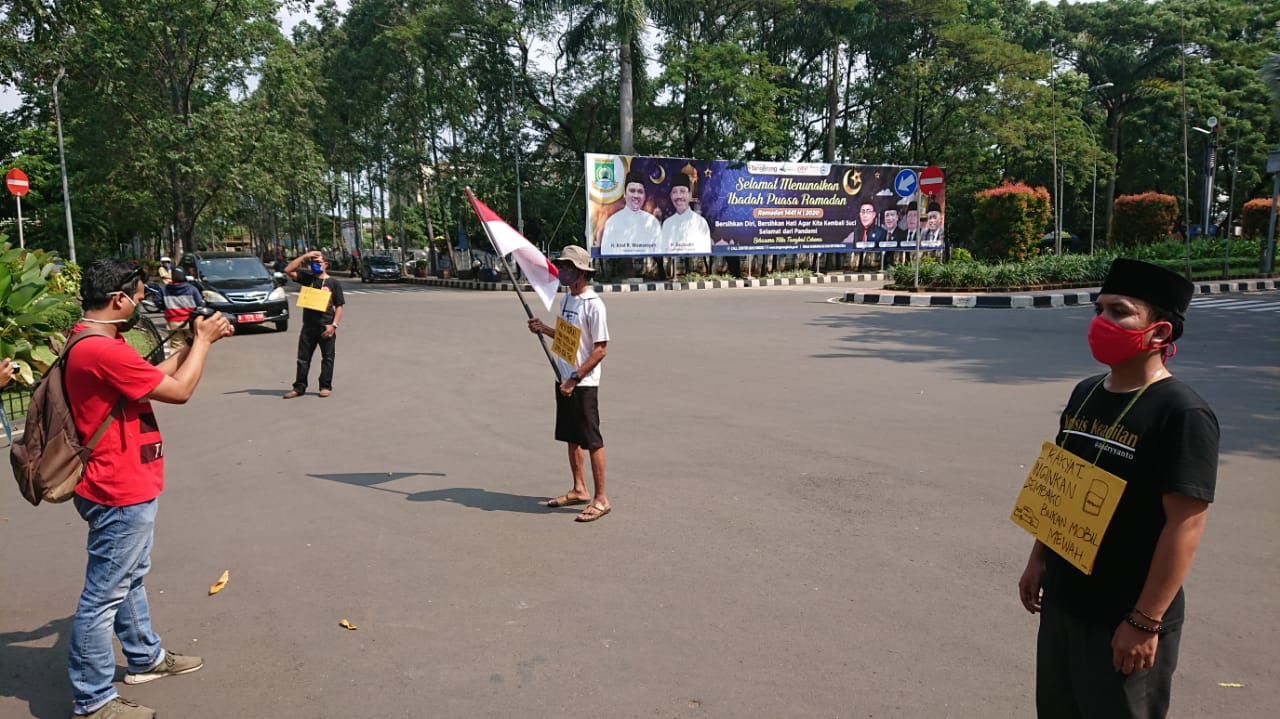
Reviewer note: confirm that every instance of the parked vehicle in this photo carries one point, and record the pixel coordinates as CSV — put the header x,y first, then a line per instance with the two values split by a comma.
x,y
239,284
377,268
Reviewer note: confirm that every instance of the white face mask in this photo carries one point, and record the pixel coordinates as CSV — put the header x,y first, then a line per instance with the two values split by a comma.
x,y
125,324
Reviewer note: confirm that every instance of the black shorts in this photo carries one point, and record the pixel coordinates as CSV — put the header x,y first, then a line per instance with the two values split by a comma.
x,y
578,417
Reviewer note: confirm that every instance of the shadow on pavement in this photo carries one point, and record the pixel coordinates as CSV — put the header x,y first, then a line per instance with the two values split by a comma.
x,y
279,392
1227,358
466,496
486,500
1027,347
38,674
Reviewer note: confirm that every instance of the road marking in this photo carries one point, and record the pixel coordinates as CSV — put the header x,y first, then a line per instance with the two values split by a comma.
x,y
1267,305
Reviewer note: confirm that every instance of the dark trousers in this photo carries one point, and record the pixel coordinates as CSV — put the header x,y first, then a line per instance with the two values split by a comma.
x,y
307,341
1076,679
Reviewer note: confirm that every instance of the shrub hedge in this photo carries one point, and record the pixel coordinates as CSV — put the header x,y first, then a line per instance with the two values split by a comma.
x,y
1083,270
1143,219
1010,220
1256,216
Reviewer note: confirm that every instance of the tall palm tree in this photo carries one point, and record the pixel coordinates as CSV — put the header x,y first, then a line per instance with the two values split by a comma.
x,y
1136,73
625,20
1271,78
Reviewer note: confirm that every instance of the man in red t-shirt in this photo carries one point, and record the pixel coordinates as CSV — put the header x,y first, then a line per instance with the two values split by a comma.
x,y
117,494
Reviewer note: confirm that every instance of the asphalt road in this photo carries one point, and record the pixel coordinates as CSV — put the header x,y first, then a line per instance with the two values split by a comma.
x,y
810,518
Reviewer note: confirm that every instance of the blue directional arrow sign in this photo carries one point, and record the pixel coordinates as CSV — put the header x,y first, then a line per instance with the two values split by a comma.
x,y
905,183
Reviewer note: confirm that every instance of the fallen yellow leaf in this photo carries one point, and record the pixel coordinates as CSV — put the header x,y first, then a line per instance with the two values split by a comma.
x,y
347,625
222,582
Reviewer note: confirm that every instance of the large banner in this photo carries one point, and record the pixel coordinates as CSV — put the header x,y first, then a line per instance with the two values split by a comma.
x,y
642,206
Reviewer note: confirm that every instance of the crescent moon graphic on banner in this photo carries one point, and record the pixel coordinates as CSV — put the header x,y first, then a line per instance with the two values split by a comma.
x,y
662,176
854,187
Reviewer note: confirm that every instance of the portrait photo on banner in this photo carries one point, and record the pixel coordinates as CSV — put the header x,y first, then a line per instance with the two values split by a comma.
x,y
641,206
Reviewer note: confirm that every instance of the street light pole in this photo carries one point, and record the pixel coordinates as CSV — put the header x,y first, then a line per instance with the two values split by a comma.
x,y
1207,171
1057,207
515,147
1210,174
1058,183
62,166
1093,208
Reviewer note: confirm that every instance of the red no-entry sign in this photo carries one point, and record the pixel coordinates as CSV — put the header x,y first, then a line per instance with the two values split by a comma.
x,y
931,180
16,181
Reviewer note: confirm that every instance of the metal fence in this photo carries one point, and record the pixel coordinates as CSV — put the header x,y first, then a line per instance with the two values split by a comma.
x,y
14,400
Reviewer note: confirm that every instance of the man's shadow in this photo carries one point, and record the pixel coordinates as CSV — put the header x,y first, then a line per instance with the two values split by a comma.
x,y
38,674
486,500
466,496
260,392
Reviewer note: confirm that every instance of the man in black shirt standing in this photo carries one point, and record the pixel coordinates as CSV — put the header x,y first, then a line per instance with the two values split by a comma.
x,y
1108,640
318,328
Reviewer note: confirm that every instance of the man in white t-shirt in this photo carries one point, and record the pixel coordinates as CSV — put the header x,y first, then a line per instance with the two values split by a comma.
x,y
631,230
577,405
686,232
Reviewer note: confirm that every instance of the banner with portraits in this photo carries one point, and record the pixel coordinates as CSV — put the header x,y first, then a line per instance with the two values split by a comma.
x,y
645,206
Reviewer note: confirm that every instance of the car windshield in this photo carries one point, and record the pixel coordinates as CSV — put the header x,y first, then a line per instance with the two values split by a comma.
x,y
381,262
233,268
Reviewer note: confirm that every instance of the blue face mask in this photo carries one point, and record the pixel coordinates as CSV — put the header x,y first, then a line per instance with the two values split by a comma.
x,y
568,276
316,268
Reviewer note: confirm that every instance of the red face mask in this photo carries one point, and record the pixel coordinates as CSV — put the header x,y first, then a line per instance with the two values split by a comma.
x,y
1112,344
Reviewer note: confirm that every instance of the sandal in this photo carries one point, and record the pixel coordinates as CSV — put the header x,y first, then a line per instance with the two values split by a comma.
x,y
592,513
565,500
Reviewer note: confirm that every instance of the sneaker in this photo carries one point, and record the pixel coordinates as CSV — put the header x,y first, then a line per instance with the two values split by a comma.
x,y
291,394
120,708
326,392
173,665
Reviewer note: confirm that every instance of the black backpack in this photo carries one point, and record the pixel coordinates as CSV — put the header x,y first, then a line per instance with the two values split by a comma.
x,y
48,459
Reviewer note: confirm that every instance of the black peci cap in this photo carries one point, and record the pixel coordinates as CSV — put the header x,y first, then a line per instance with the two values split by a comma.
x,y
1161,288
634,176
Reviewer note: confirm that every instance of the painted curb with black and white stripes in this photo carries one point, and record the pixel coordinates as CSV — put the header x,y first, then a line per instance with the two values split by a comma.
x,y
1031,300
661,286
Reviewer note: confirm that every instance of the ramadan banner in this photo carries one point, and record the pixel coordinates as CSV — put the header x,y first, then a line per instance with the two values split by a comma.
x,y
643,206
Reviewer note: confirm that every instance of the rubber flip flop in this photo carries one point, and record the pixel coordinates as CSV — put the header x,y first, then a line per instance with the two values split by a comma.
x,y
565,500
592,513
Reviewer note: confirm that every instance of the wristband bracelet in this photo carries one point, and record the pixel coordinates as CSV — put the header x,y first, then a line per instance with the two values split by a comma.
x,y
1142,627
1146,616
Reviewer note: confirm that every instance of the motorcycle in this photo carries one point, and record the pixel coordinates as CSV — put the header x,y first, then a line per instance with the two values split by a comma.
x,y
153,297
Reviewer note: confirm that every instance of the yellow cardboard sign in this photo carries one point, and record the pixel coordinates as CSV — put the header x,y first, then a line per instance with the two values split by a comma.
x,y
568,337
1067,503
311,298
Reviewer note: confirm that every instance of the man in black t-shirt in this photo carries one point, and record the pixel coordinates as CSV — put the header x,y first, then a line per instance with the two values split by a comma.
x,y
318,328
1108,641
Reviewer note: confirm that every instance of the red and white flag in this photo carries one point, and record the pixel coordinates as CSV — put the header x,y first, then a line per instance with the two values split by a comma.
x,y
537,268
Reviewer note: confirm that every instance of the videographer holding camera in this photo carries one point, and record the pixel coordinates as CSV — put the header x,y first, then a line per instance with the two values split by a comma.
x,y
318,328
124,476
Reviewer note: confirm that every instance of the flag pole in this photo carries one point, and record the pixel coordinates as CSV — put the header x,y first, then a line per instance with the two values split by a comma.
x,y
542,339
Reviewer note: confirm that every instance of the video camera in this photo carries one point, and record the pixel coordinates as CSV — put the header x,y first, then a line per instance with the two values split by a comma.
x,y
206,311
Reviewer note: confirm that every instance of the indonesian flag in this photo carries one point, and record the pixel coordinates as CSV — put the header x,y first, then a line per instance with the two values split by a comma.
x,y
537,268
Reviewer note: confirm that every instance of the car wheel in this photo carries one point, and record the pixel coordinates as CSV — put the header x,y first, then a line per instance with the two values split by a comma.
x,y
282,326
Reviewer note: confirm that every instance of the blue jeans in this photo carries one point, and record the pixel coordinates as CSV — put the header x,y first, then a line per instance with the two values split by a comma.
x,y
113,601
